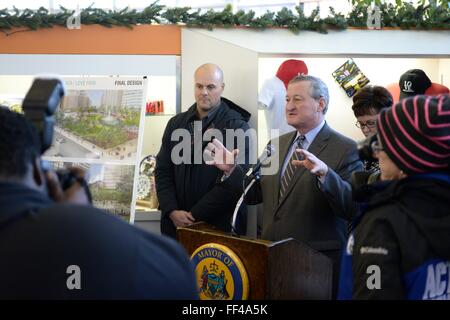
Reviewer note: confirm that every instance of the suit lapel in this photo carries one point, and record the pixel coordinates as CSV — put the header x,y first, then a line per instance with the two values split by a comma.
x,y
315,148
320,141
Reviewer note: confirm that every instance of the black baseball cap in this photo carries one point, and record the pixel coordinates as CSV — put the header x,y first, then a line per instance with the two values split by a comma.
x,y
413,82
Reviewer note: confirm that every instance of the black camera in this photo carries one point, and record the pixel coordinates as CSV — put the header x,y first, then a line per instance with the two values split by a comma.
x,y
365,150
39,107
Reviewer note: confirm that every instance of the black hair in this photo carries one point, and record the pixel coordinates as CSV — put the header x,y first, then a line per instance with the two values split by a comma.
x,y
371,100
19,144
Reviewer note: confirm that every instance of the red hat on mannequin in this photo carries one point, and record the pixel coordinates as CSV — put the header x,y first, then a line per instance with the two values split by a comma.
x,y
290,69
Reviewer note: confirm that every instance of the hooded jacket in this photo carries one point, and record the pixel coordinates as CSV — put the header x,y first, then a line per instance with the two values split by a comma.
x,y
195,187
401,246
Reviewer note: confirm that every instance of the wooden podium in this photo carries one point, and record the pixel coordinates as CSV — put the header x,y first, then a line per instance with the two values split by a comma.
x,y
284,269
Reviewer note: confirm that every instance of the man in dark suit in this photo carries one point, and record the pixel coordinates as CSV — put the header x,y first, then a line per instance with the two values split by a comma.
x,y
309,206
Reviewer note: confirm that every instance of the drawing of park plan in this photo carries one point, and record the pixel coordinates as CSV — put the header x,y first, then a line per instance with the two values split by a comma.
x,y
111,185
99,118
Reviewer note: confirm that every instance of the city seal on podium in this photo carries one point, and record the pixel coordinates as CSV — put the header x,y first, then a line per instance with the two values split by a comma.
x,y
220,273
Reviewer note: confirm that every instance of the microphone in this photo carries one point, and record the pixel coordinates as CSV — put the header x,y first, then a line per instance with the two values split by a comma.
x,y
266,154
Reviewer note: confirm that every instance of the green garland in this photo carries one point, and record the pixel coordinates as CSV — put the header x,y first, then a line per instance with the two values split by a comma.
x,y
427,15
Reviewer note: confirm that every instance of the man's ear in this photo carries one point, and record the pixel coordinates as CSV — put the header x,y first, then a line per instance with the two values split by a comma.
x,y
321,104
38,173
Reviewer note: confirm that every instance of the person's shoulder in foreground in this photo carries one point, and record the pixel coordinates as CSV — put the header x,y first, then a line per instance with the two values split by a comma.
x,y
55,245
80,252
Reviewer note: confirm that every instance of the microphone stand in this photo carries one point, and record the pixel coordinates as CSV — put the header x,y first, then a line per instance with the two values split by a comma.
x,y
255,177
254,174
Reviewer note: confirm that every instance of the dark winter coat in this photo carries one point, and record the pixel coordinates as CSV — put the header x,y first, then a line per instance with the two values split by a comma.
x,y
194,187
42,244
401,245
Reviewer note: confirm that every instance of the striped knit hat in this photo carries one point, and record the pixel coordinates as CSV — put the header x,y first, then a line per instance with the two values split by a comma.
x,y
415,133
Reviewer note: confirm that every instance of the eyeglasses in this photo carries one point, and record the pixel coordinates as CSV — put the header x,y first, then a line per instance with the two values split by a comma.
x,y
369,124
376,146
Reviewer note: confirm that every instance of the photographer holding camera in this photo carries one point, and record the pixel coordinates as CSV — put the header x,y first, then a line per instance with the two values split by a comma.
x,y
401,244
54,244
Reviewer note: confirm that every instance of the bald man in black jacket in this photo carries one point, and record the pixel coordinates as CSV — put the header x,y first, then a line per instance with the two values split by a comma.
x,y
190,191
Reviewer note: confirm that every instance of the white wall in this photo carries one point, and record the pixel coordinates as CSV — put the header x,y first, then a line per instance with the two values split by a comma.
x,y
84,64
15,85
153,132
380,71
163,88
347,42
444,72
159,88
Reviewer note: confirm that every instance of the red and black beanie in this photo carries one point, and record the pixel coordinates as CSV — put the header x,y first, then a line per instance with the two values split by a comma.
x,y
415,133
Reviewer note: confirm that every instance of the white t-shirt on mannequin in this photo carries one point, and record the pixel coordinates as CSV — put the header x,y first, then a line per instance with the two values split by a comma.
x,y
272,99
